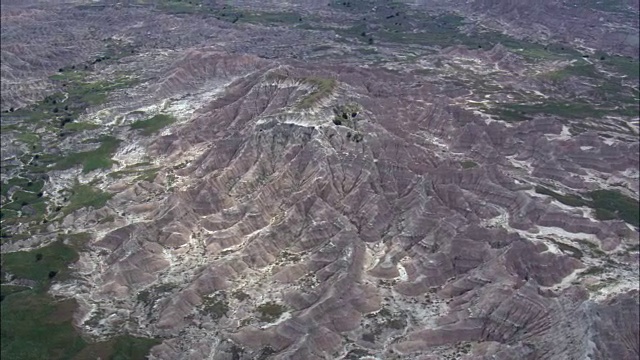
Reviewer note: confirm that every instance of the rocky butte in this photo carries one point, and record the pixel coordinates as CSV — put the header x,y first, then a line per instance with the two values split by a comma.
x,y
305,180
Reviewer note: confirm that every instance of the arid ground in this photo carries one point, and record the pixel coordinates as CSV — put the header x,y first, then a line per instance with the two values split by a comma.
x,y
192,179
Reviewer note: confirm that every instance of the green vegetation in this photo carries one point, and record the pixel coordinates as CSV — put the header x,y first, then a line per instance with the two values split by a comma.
x,y
229,13
270,311
240,295
623,65
594,270
84,196
153,124
35,327
23,183
29,138
347,115
147,296
579,69
610,204
40,265
148,175
119,348
571,110
69,76
322,89
573,251
142,174
264,17
468,164
570,200
6,290
356,354
27,203
216,307
95,93
99,158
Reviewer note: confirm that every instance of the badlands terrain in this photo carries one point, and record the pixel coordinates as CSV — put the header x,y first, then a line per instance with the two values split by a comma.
x,y
364,179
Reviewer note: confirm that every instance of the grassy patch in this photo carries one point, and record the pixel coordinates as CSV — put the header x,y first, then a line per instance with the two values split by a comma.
x,y
95,93
229,13
120,348
270,311
23,198
622,65
142,173
570,200
240,295
573,251
581,69
594,270
84,196
23,183
322,89
266,18
36,327
70,75
147,175
6,290
610,204
216,307
28,199
41,265
99,158
29,138
153,124
468,164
